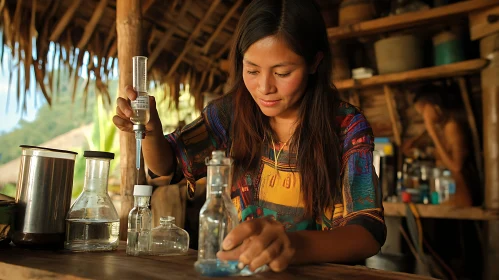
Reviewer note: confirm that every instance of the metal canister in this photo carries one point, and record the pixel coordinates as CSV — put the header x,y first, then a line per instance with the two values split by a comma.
x,y
43,196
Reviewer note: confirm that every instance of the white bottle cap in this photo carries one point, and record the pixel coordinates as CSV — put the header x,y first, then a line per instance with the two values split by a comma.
x,y
142,190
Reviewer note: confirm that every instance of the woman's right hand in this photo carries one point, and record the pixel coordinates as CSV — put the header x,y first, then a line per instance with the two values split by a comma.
x,y
124,112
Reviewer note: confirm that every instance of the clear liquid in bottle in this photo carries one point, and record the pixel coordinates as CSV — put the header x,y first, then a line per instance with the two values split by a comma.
x,y
84,235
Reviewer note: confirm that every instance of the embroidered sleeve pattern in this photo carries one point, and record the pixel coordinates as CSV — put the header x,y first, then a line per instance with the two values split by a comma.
x,y
361,196
195,142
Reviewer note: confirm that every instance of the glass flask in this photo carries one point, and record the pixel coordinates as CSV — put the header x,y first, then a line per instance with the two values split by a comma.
x,y
92,223
140,222
167,239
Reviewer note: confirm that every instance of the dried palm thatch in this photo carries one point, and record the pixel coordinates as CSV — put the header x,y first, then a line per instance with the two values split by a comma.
x,y
184,40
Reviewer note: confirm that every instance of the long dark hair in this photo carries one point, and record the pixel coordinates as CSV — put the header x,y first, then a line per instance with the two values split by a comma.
x,y
300,24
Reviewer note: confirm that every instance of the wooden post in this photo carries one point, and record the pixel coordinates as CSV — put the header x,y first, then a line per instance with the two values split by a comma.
x,y
128,26
490,103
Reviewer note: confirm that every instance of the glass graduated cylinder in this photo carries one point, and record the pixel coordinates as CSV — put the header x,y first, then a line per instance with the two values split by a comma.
x,y
140,109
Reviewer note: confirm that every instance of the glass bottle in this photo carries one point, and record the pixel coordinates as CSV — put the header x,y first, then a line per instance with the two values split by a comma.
x,y
167,239
92,223
447,187
139,222
217,218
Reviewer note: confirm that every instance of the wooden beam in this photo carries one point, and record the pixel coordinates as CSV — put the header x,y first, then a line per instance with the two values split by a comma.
x,y
473,126
224,48
94,20
490,124
413,19
129,28
398,209
161,44
146,5
394,115
490,111
222,24
481,25
436,72
64,21
224,65
193,36
110,37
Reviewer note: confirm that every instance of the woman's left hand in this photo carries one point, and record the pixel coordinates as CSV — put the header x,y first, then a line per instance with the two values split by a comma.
x,y
258,242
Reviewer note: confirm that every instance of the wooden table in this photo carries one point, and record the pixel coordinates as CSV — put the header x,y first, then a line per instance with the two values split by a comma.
x,y
17,263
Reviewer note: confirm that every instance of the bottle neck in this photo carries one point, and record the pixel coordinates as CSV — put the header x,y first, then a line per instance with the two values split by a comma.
x,y
141,201
96,175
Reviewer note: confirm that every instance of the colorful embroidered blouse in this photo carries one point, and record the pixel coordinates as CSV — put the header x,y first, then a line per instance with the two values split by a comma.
x,y
277,193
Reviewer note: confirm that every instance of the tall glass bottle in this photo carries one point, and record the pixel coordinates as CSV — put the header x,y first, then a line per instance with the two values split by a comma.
x,y
92,223
140,222
217,218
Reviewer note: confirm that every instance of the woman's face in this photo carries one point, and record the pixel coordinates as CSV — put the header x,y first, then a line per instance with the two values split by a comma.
x,y
275,76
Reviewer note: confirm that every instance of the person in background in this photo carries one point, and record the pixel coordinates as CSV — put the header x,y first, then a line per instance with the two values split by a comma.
x,y
304,183
446,124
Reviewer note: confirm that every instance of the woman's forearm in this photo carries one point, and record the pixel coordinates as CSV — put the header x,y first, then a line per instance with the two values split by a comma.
x,y
158,154
345,244
450,163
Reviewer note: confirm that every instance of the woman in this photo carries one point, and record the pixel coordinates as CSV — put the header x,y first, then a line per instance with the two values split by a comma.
x,y
448,129
300,155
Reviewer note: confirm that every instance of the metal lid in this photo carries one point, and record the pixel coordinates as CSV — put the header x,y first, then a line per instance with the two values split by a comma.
x,y
47,152
48,149
98,154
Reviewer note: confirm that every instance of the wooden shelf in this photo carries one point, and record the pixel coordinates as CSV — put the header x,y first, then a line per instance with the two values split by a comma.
x,y
436,72
414,19
441,212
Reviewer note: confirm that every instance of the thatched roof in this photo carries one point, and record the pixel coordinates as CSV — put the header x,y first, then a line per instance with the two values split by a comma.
x,y
186,41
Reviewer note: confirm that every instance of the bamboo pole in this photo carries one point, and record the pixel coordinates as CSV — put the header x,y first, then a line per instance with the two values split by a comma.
x,y
61,25
128,25
193,36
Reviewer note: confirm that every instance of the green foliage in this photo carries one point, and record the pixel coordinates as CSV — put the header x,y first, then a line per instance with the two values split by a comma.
x,y
101,138
63,116
8,190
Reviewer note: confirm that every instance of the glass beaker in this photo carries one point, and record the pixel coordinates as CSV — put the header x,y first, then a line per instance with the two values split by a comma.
x,y
92,223
167,239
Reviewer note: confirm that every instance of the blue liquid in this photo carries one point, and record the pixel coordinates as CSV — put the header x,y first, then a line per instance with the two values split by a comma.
x,y
217,268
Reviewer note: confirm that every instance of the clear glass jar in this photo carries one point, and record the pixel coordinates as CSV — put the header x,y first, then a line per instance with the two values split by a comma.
x,y
140,222
167,239
92,223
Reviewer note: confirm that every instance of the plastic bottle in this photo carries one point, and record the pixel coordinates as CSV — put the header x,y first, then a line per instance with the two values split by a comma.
x,y
139,222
